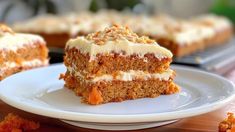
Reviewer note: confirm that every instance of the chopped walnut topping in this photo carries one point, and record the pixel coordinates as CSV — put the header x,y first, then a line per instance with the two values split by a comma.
x,y
5,29
115,33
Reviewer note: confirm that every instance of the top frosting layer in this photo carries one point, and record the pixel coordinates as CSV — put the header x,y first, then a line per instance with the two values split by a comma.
x,y
119,40
116,33
187,33
12,41
217,22
44,24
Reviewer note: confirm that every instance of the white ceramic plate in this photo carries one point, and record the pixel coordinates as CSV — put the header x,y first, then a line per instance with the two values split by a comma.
x,y
39,91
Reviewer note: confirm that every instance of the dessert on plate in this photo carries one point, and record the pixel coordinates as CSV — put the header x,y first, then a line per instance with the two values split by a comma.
x,y
20,51
116,64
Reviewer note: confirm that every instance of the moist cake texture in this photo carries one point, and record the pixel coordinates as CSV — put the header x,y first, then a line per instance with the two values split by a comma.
x,y
116,64
20,51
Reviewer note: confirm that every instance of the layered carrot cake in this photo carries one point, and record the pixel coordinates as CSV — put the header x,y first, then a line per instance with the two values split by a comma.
x,y
20,51
116,64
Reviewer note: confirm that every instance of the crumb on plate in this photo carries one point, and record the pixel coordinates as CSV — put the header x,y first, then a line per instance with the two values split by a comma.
x,y
228,124
15,123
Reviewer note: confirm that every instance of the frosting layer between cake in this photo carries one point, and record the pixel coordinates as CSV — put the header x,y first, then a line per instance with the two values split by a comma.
x,y
31,63
126,76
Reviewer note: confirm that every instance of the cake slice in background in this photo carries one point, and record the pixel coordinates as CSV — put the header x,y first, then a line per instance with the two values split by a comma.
x,y
115,65
182,36
20,51
222,27
55,30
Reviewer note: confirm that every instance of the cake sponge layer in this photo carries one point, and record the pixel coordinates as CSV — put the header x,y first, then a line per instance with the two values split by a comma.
x,y
117,90
107,64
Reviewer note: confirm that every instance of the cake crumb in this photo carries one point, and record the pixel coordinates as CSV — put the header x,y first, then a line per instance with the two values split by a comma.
x,y
15,123
173,88
61,76
115,33
228,124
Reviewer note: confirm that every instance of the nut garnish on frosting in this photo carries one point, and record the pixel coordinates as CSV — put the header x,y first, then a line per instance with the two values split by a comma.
x,y
5,29
117,39
115,33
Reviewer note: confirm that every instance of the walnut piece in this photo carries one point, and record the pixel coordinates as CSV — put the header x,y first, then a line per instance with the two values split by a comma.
x,y
115,33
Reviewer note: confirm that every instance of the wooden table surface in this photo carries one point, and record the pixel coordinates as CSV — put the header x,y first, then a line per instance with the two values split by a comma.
x,y
202,123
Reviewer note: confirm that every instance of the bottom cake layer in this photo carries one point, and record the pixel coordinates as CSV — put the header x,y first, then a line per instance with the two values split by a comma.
x,y
116,90
12,67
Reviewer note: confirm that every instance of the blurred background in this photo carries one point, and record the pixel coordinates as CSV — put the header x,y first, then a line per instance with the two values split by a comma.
x,y
218,59
16,10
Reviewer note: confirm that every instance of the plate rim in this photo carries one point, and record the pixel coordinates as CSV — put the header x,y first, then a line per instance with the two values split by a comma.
x,y
109,118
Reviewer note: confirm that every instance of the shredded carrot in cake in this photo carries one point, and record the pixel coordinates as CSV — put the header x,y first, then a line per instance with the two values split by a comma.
x,y
228,124
115,33
15,123
95,96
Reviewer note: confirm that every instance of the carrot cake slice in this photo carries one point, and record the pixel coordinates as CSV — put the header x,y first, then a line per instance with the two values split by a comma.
x,y
20,51
115,65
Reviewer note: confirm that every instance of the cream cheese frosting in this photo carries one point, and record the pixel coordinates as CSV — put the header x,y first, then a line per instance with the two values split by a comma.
x,y
35,62
211,20
44,24
117,39
192,33
31,63
14,41
131,75
126,76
